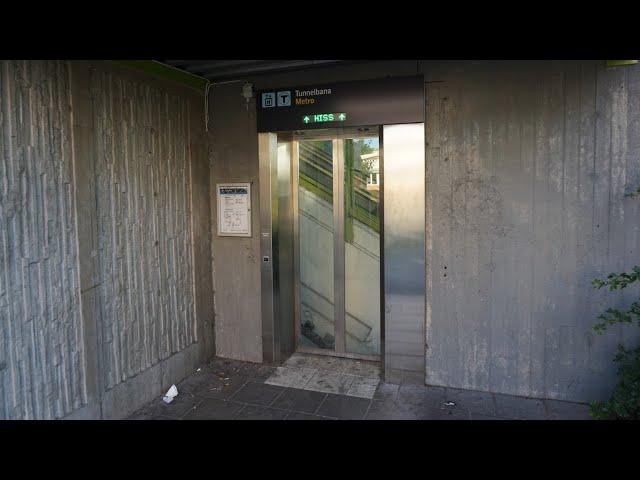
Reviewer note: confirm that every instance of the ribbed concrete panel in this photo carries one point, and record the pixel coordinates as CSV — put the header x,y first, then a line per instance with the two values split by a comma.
x,y
41,348
144,224
527,167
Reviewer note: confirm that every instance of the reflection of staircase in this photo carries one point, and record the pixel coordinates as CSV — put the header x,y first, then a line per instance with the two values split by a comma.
x,y
319,305
362,234
316,175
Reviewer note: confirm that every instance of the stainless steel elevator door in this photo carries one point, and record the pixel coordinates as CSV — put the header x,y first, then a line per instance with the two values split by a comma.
x,y
337,229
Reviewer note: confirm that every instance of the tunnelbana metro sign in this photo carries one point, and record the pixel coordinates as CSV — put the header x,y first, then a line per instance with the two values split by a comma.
x,y
369,102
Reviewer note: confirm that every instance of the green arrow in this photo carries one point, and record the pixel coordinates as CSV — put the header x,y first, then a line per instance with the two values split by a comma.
x,y
305,119
342,116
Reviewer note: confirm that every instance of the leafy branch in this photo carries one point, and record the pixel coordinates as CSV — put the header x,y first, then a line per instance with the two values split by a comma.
x,y
633,194
618,281
625,400
614,316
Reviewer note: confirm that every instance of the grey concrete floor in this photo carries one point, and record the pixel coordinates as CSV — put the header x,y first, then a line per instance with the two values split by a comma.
x,y
226,389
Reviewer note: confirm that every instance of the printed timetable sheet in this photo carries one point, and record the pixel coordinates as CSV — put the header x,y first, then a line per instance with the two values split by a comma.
x,y
234,209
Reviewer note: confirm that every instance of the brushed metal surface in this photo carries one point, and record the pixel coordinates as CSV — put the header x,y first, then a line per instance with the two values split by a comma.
x,y
276,248
284,266
267,153
404,247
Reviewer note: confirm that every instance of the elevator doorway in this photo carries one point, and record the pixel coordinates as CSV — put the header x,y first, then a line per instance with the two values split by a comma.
x,y
337,219
344,274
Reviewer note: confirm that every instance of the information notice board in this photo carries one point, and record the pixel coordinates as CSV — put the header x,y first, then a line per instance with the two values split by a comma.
x,y
234,209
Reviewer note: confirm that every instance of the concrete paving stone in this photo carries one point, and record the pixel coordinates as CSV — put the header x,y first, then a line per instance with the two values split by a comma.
x,y
328,363
180,405
386,391
420,395
480,416
147,413
391,410
344,407
519,408
230,370
258,393
213,409
438,413
176,409
254,412
287,376
299,361
393,376
559,410
306,401
323,381
218,364
221,387
155,418
362,369
196,381
141,414
400,410
363,387
471,400
257,371
412,378
306,416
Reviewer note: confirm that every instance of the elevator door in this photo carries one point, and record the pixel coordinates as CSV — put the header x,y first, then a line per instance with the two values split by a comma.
x,y
337,229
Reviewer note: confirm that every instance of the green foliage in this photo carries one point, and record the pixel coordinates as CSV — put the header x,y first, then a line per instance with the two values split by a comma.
x,y
624,403
614,316
366,148
618,281
633,194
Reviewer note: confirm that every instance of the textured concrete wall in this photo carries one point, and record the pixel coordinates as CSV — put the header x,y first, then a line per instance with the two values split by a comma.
x,y
41,351
106,284
527,167
143,190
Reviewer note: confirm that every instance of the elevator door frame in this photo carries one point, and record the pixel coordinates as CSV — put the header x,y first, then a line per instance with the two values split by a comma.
x,y
337,136
404,217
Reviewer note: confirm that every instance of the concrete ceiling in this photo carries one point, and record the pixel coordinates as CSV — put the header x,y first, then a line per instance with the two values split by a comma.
x,y
220,70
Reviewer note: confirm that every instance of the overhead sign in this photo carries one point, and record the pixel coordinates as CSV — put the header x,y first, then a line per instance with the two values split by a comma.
x,y
370,102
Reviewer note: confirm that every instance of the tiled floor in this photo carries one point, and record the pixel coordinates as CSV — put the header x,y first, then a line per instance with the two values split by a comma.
x,y
335,389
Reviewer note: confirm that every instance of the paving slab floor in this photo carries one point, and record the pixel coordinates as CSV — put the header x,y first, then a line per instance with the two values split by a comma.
x,y
309,387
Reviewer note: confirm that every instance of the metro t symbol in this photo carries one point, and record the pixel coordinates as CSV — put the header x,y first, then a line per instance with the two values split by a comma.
x,y
284,98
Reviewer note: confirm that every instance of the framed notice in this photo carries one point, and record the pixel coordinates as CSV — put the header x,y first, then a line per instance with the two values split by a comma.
x,y
234,209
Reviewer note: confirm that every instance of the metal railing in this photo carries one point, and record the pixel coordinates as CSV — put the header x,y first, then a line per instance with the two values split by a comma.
x,y
316,175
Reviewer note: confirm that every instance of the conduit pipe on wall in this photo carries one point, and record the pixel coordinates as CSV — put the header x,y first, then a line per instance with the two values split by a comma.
x,y
206,98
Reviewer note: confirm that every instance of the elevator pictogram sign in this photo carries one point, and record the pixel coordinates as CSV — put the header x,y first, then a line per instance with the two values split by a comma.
x,y
279,99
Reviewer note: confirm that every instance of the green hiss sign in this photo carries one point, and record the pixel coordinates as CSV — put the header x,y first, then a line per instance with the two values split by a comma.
x,y
324,117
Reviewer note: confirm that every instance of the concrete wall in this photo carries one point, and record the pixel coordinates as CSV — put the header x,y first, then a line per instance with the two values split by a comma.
x,y
233,157
42,358
527,164
105,293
